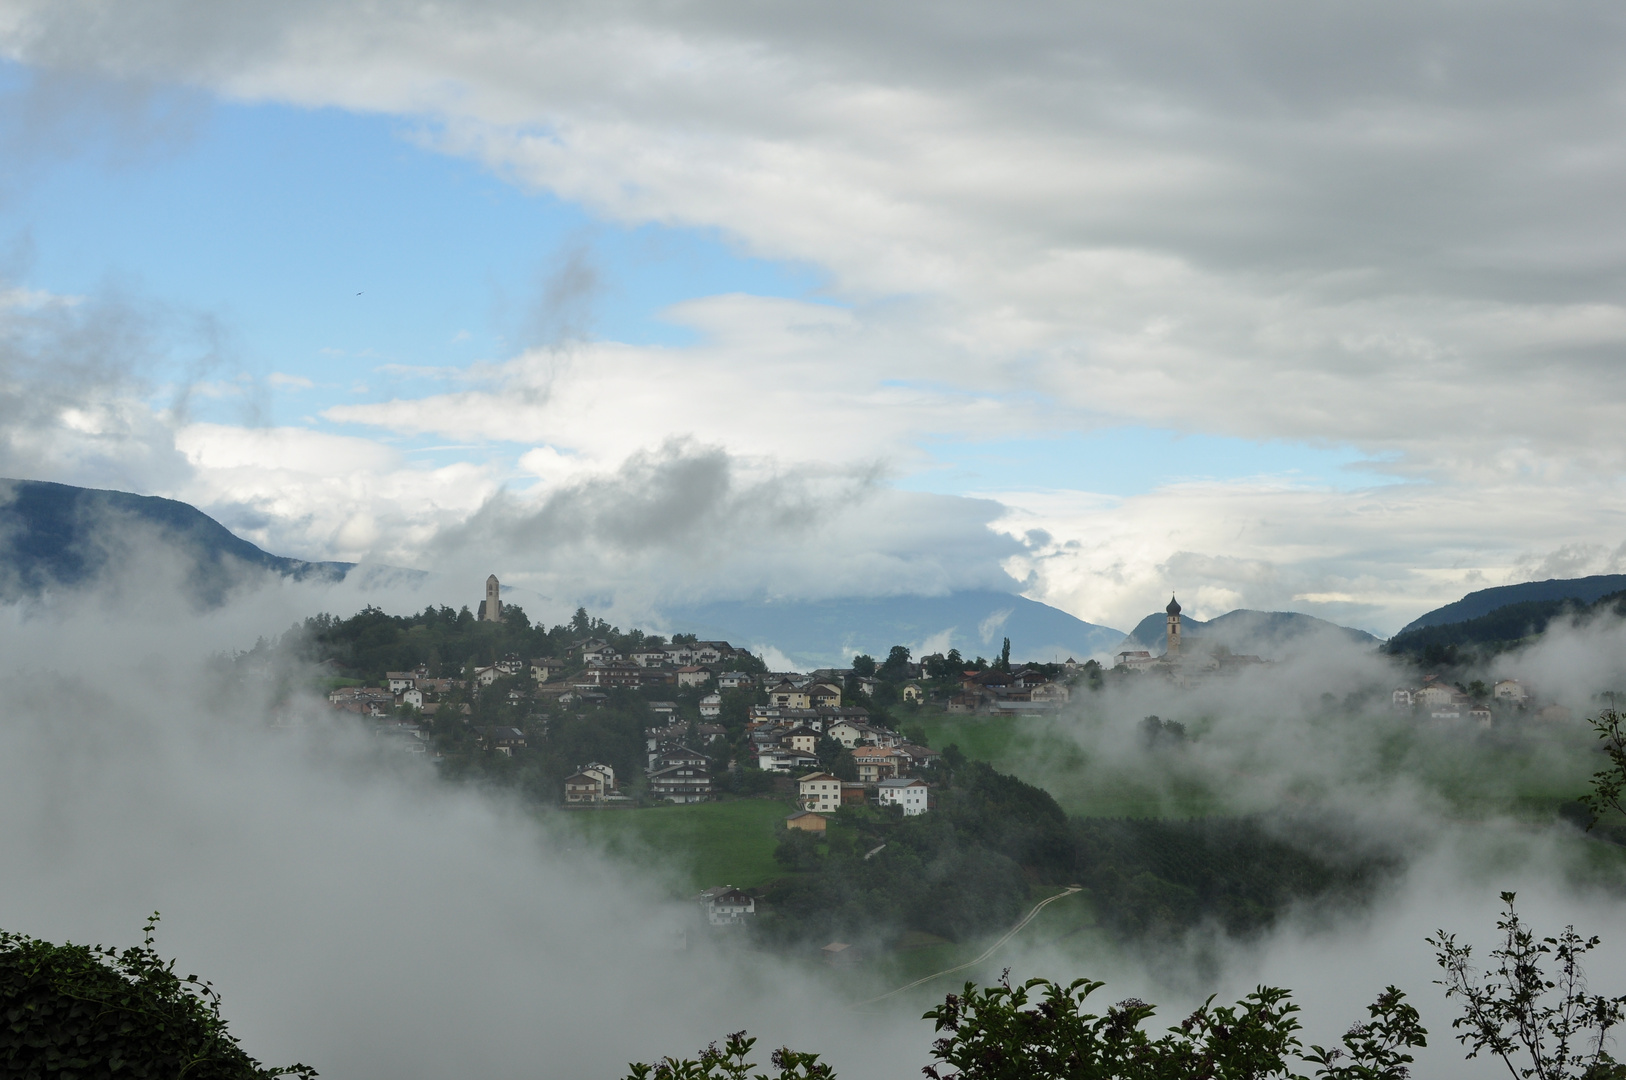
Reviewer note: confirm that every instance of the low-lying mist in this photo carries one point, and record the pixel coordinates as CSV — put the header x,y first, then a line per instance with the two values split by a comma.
x,y
360,914
355,912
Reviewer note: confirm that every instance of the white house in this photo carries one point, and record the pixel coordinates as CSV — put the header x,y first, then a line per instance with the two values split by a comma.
x,y
801,738
711,706
819,792
1402,698
649,657
411,696
1511,690
1436,695
784,760
849,733
598,652
727,906
733,680
546,668
710,652
909,794
693,675
1052,692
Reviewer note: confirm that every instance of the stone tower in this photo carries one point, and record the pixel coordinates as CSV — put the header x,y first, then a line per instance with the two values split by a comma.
x,y
491,610
1173,610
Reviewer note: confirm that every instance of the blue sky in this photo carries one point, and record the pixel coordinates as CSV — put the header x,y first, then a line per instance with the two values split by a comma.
x,y
329,245
1325,326
332,246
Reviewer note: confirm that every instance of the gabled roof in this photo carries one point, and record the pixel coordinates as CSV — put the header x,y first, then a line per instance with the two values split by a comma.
x,y
656,774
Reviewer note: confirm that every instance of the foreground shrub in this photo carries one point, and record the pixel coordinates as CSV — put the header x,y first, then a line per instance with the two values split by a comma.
x,y
73,1012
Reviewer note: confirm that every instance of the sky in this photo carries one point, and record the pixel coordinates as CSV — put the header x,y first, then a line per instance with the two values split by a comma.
x,y
1311,309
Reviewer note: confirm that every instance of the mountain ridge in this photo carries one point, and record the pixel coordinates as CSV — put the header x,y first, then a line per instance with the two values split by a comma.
x,y
829,632
1484,601
1242,629
58,535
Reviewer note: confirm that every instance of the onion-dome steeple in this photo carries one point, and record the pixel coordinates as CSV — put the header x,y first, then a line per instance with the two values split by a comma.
x,y
1174,605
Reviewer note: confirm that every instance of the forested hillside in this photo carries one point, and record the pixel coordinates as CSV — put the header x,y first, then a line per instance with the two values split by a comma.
x,y
1499,630
969,866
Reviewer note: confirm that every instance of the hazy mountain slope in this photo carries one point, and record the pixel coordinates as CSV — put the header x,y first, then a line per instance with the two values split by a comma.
x,y
816,633
56,535
1484,601
1245,631
1503,627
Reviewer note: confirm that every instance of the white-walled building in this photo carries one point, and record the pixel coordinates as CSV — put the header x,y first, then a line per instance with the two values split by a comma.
x,y
693,675
910,794
819,792
727,906
1511,690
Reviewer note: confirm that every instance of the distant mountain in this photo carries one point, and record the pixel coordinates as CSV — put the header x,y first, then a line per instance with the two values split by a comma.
x,y
1582,590
815,633
55,535
1243,631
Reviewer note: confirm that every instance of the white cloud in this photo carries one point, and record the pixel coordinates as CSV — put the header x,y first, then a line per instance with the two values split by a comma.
x,y
1373,559
1356,228
316,495
1363,214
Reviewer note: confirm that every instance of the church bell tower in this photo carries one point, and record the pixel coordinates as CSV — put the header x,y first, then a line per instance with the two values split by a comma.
x,y
1173,610
491,610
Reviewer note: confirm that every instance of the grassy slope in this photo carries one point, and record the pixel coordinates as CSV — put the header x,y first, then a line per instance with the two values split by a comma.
x,y
1032,749
1524,774
732,842
718,843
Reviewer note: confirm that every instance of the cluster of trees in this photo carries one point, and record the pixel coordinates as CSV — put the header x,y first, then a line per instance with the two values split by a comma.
x,y
966,867
1533,1012
371,642
92,1011
1153,876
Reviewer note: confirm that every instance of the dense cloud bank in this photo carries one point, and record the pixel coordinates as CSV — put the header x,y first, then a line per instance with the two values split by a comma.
x,y
1341,229
354,913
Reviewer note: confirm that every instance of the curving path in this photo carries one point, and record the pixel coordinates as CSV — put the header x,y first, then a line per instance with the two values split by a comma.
x,y
995,947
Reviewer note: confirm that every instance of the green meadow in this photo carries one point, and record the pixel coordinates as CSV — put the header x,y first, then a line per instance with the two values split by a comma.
x,y
703,844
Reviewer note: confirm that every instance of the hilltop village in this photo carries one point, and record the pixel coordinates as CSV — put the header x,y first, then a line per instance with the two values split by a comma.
x,y
819,770
602,719
715,720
